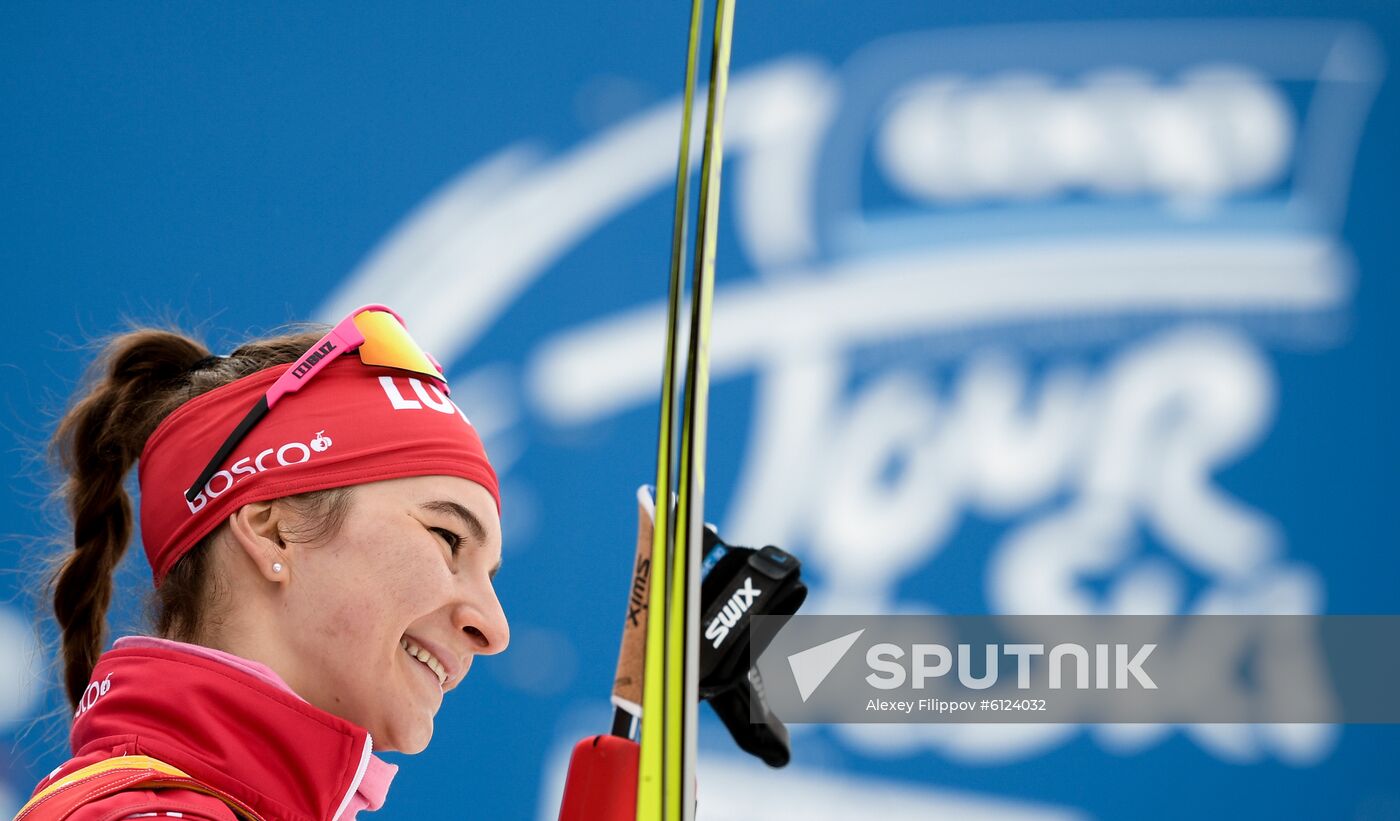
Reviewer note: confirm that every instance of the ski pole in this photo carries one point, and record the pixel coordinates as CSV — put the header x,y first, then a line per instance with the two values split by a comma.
x,y
656,693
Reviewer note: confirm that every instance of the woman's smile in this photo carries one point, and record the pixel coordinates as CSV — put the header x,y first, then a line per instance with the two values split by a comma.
x,y
423,672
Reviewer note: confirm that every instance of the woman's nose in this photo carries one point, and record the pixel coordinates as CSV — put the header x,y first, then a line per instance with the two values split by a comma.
x,y
485,624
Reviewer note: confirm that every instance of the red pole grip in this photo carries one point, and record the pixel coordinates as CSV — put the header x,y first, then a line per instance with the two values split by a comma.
x,y
602,780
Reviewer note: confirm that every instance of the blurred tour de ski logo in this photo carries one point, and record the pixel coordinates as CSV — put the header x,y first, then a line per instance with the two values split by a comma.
x,y
1029,281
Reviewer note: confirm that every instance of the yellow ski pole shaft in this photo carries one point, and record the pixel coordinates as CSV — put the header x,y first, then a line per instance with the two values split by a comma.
x,y
683,645
653,739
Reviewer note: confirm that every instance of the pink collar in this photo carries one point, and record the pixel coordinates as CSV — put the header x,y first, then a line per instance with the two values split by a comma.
x,y
368,784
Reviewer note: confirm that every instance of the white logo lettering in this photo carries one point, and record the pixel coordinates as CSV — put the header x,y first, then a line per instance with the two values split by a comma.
x,y
441,404
282,451
228,483
737,605
94,691
246,466
428,396
395,398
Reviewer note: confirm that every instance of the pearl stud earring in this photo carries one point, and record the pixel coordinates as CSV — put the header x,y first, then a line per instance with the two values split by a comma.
x,y
276,567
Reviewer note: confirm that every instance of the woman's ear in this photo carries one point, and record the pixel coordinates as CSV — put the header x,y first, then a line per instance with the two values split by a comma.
x,y
257,530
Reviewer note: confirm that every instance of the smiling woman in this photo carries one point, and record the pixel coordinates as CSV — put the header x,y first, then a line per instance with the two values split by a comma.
x,y
322,547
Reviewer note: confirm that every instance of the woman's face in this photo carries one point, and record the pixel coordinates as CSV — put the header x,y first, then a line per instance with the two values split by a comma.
x,y
409,570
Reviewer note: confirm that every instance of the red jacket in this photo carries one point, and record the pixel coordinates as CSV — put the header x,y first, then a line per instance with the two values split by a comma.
x,y
237,734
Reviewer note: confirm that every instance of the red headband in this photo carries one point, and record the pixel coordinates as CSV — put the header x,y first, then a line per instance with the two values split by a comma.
x,y
355,424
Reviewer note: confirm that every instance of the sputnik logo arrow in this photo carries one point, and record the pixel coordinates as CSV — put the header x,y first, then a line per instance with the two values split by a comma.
x,y
811,666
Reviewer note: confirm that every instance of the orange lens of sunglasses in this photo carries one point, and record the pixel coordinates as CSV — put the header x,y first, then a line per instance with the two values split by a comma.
x,y
388,344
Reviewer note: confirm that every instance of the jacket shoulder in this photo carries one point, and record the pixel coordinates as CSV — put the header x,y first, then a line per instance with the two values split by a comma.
x,y
153,803
113,796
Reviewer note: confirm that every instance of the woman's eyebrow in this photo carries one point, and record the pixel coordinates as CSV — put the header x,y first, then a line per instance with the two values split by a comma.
x,y
459,512
468,519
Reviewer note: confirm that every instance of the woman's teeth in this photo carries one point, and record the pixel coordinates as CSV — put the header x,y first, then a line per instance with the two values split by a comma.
x,y
425,657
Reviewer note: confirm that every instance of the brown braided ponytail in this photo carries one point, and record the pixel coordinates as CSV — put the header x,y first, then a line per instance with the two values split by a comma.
x,y
139,379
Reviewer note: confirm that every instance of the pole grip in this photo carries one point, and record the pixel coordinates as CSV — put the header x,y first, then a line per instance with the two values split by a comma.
x,y
602,780
631,655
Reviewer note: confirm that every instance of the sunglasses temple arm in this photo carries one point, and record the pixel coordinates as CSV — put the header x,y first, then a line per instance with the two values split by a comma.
x,y
255,415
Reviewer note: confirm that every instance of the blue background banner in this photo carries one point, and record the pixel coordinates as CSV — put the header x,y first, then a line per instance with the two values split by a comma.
x,y
1024,309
